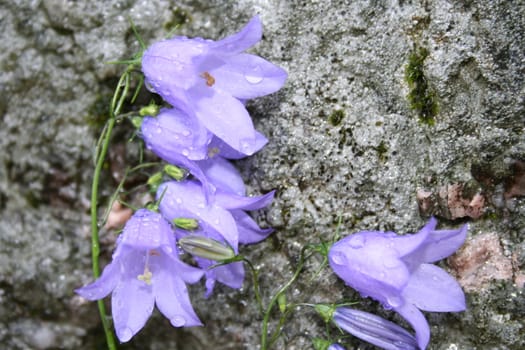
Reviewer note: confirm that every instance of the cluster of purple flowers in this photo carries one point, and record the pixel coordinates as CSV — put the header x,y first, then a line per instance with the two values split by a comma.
x,y
206,83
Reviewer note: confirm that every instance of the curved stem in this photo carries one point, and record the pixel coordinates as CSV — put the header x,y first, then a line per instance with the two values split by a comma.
x,y
255,279
264,335
116,105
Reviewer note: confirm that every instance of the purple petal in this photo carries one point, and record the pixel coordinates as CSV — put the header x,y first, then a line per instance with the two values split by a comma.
x,y
223,175
367,263
231,275
439,244
226,151
173,131
248,76
430,288
233,201
224,116
418,321
103,285
185,199
171,294
374,329
187,273
147,230
250,35
132,300
249,231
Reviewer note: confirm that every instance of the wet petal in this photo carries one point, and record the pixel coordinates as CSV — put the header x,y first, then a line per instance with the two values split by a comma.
x,y
223,175
227,152
147,230
173,131
418,321
233,201
103,285
430,288
249,231
171,294
248,76
132,300
224,116
250,35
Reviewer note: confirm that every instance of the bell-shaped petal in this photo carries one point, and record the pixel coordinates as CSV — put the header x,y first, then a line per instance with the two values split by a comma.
x,y
223,175
250,35
221,148
248,76
173,131
249,231
418,321
233,201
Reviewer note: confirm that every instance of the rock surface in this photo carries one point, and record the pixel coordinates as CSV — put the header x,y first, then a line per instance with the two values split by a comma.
x,y
344,141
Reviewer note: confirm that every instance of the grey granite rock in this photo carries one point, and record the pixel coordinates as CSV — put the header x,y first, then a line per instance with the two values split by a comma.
x,y
344,141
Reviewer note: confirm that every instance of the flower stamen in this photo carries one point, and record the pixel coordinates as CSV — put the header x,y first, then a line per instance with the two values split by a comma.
x,y
210,80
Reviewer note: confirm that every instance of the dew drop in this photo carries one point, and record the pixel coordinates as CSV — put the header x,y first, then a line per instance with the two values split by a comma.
x,y
253,75
339,258
159,130
357,242
390,263
185,152
178,200
167,249
186,132
394,301
178,321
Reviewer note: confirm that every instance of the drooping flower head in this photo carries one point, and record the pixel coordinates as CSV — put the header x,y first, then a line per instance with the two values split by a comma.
x,y
145,271
211,79
396,271
223,219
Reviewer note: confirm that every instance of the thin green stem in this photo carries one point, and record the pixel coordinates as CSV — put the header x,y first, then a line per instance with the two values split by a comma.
x,y
255,279
102,149
264,335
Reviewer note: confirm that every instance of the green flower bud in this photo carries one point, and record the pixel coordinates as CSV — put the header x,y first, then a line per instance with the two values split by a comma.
x,y
186,223
154,181
174,172
152,110
325,311
137,122
206,248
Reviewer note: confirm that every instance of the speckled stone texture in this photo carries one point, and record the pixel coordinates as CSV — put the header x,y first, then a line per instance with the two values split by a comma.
x,y
344,141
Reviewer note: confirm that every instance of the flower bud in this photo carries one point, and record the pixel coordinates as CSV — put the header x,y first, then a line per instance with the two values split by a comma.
x,y
150,110
186,223
136,121
174,172
154,181
207,248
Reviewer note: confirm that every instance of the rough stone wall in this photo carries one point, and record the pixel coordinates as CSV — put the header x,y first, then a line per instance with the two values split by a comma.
x,y
344,141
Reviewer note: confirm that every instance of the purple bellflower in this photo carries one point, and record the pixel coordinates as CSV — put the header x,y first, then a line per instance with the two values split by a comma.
x,y
224,219
182,140
397,271
335,346
211,79
374,329
145,271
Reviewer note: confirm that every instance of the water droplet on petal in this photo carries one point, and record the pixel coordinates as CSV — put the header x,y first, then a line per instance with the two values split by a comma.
x,y
339,258
167,249
253,75
185,152
356,242
178,321
159,130
394,301
178,200
391,263
186,132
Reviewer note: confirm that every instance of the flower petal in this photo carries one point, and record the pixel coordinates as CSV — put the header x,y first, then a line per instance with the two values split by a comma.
x,y
147,230
249,231
418,321
132,300
374,329
227,152
224,116
185,199
173,131
171,294
250,35
233,201
103,285
430,288
248,76
223,175
439,244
